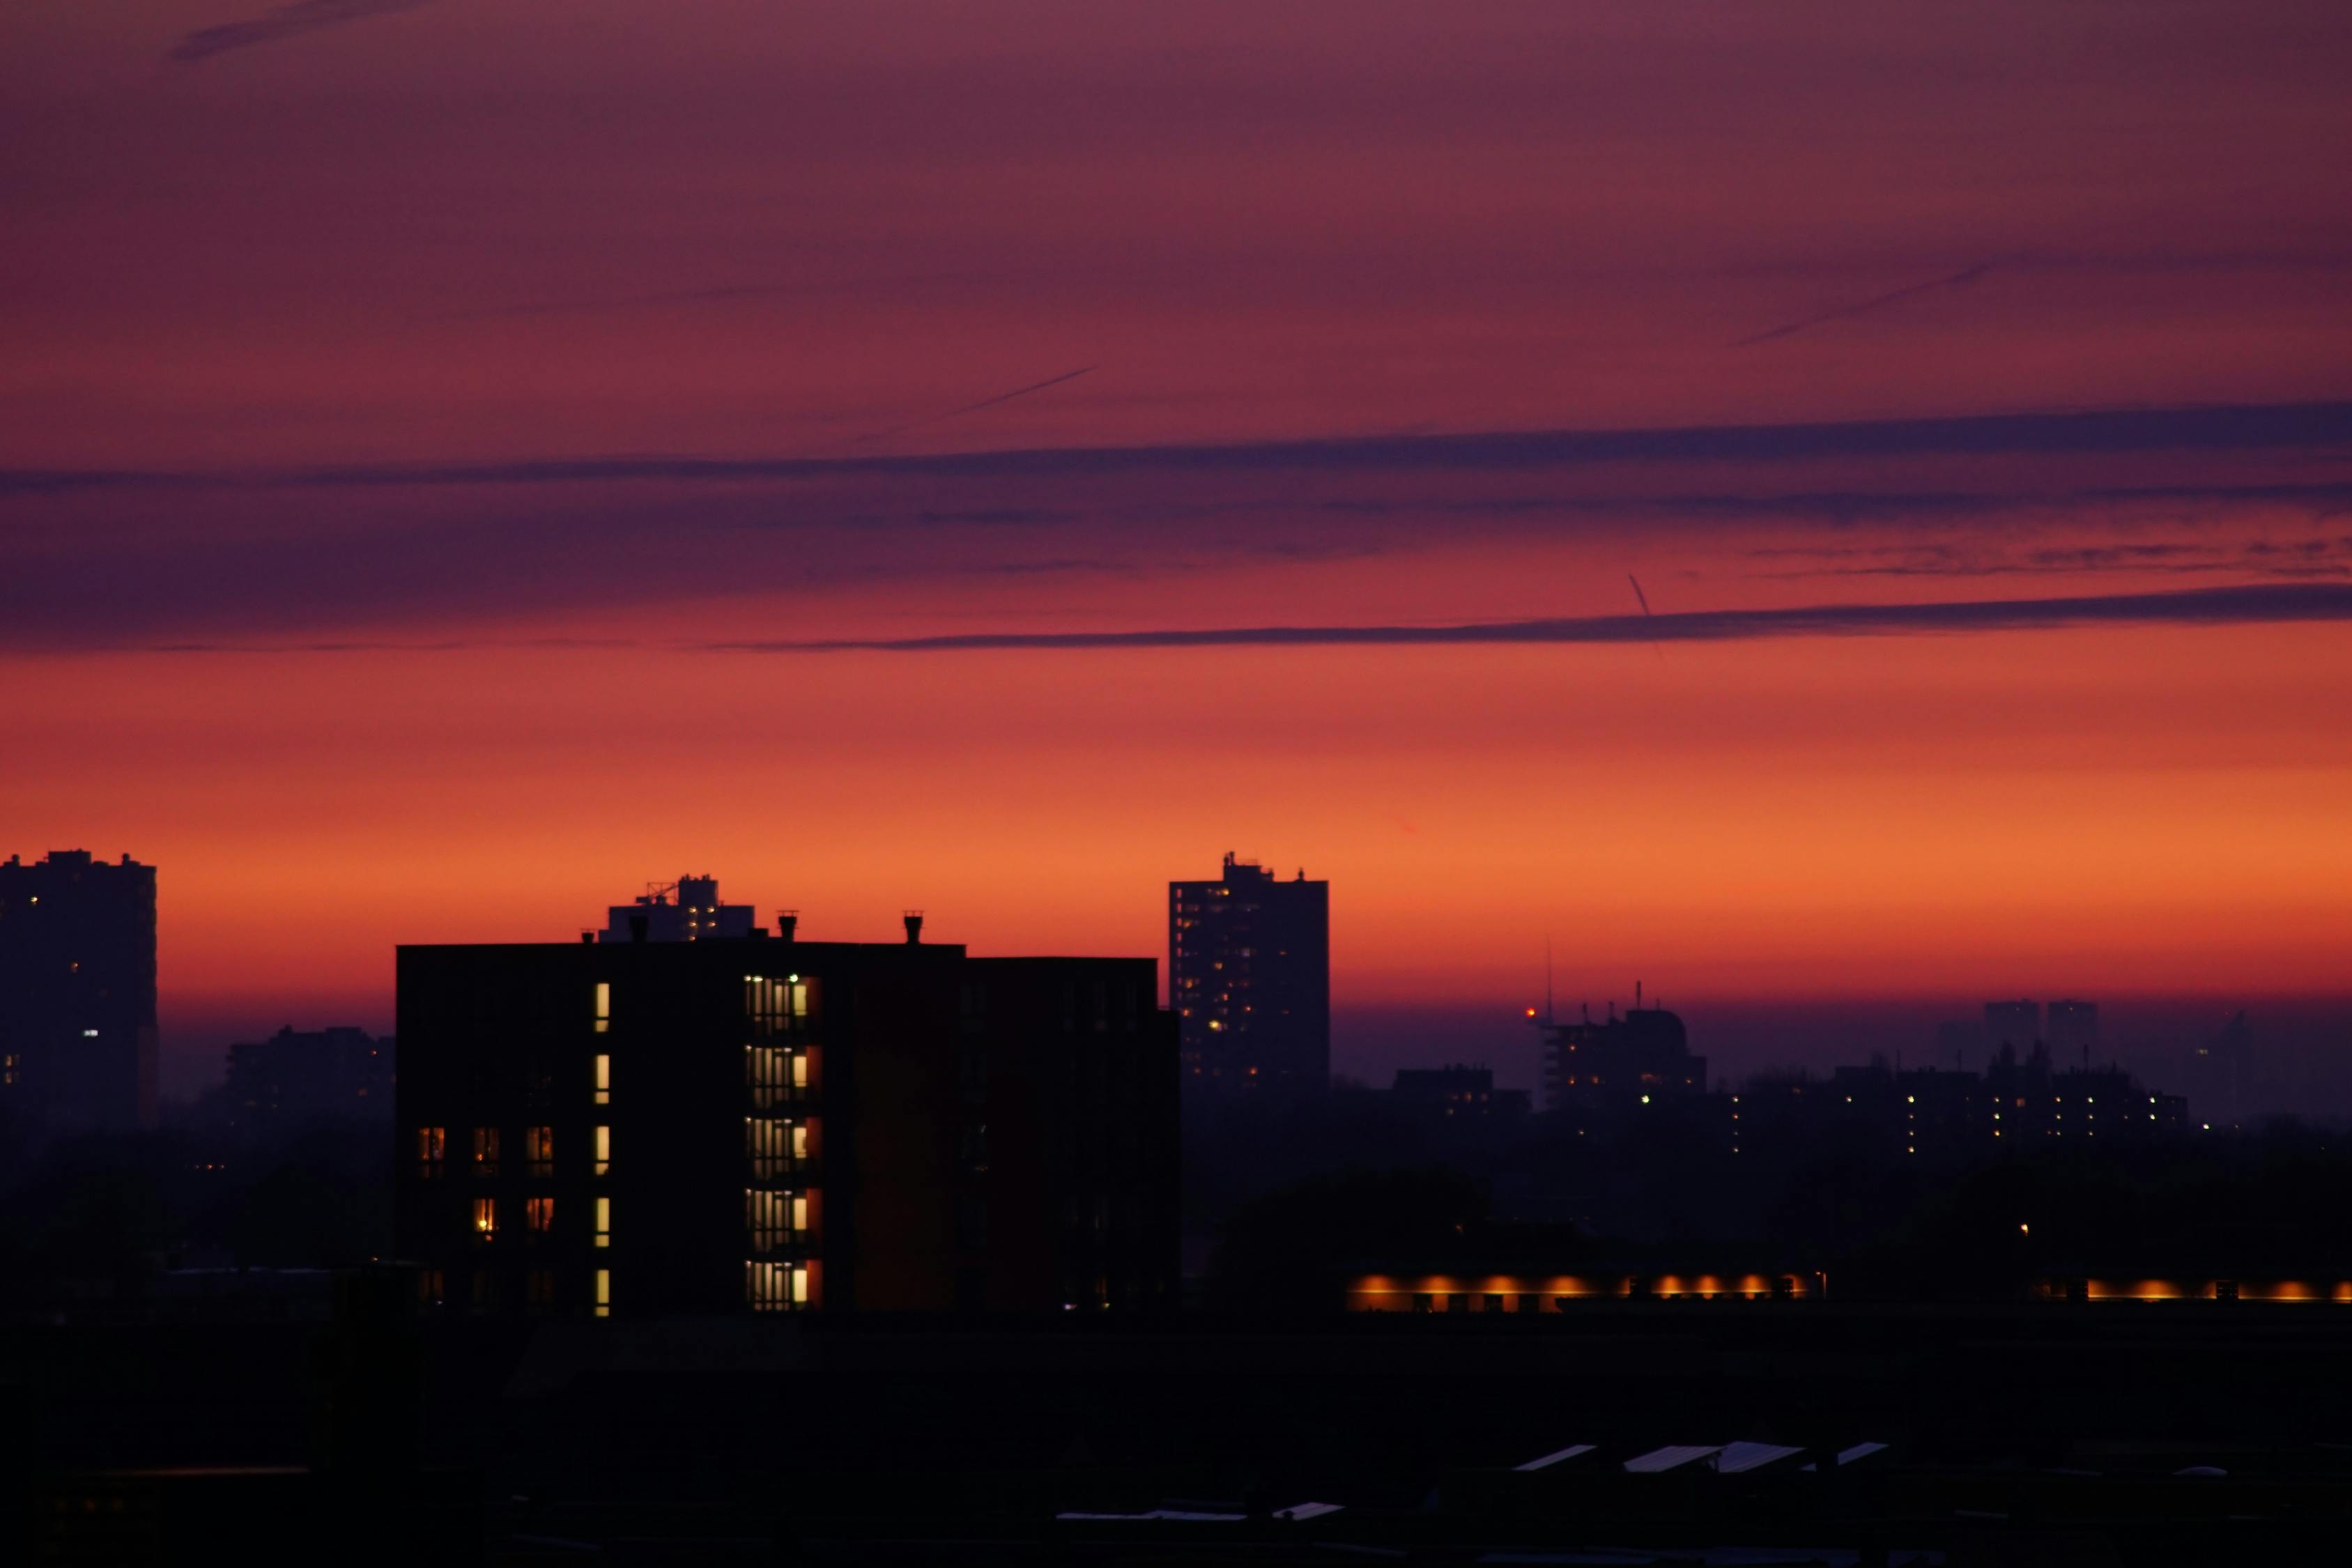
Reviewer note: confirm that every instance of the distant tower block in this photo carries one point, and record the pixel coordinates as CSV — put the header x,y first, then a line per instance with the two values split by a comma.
x,y
2016,1024
1249,977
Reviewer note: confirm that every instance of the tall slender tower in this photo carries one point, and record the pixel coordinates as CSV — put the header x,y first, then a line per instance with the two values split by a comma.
x,y
76,995
1249,978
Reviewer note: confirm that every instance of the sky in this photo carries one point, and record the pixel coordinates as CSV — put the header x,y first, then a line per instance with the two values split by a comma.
x,y
1806,505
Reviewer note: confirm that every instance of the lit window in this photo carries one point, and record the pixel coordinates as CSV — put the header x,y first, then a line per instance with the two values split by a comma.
x,y
604,1151
776,1286
603,1221
603,1081
538,1146
432,1144
774,1219
603,1008
539,1214
603,1292
486,1151
775,1145
486,1217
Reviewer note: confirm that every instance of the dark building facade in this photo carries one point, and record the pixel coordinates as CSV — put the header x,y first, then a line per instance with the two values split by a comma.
x,y
1249,979
2017,1105
76,995
1620,1064
297,1077
1458,1093
636,1129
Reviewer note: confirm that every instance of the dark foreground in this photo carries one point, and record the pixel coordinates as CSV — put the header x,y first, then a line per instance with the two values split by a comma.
x,y
2055,1433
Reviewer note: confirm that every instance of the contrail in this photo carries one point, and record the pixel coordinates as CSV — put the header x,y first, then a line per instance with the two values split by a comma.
x,y
976,407
1961,279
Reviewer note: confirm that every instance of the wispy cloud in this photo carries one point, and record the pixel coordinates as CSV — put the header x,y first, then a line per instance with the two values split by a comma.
x,y
2225,427
2193,608
285,22
1961,279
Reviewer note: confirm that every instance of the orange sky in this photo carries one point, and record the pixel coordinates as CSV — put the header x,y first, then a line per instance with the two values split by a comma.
x,y
358,567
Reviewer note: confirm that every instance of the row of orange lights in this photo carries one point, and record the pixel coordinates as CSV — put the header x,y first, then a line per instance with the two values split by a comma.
x,y
2205,1290
1381,1293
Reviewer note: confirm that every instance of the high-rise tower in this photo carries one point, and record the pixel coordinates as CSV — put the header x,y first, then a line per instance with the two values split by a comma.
x,y
76,995
1249,978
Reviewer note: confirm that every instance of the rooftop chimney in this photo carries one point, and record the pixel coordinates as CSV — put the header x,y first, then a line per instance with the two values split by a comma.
x,y
914,927
588,938
787,922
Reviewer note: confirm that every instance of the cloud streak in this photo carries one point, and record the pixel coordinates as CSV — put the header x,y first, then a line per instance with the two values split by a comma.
x,y
1961,279
285,22
2193,607
2242,428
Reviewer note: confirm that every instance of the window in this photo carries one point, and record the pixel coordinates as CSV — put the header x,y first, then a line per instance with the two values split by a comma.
x,y
539,1288
776,1286
603,1079
486,1151
539,1214
539,1147
603,1008
431,1288
603,1292
604,1151
774,1219
775,1075
603,1221
486,1218
775,1146
432,1144
776,1006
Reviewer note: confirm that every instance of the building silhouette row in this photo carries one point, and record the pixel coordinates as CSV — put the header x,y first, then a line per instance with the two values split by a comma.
x,y
702,1117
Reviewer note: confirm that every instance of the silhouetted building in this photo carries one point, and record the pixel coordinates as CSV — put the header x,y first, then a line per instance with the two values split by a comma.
x,y
2017,1025
1619,1064
1249,978
2221,1073
762,1124
1458,1093
76,995
684,910
2071,1029
295,1079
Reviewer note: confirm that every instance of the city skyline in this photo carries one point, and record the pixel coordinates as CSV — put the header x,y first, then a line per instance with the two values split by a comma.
x,y
1375,1036
1546,472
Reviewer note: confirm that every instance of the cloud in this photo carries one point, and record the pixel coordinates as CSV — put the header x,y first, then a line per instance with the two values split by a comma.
x,y
285,22
2193,607
1961,279
2200,429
